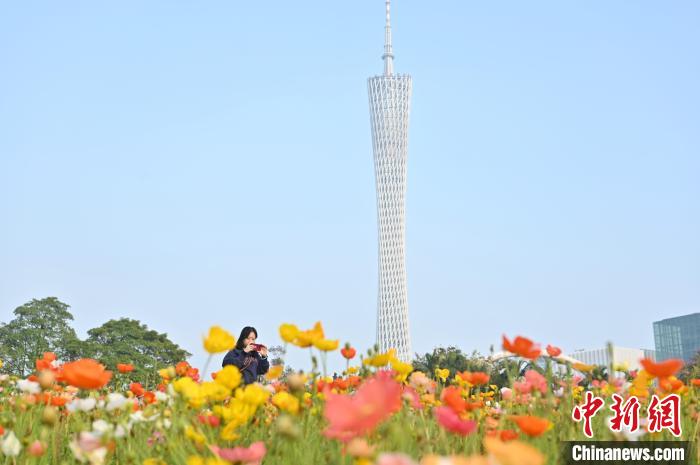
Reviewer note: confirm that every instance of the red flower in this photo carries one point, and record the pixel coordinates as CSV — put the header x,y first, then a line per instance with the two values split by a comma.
x,y
530,425
662,369
350,416
348,352
449,420
86,373
125,367
522,346
137,389
553,351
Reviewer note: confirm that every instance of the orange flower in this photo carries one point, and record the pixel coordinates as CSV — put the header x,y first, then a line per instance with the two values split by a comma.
x,y
662,369
475,379
671,384
553,351
695,382
125,367
522,346
348,352
530,425
181,368
508,435
452,397
86,373
137,389
44,363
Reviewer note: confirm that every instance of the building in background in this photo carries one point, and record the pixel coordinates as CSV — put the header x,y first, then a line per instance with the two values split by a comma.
x,y
621,356
389,104
677,337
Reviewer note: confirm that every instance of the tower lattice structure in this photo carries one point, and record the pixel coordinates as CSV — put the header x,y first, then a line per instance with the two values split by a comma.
x,y
389,103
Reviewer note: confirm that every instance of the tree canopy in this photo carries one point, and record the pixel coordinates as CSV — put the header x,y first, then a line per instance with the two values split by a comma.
x,y
44,325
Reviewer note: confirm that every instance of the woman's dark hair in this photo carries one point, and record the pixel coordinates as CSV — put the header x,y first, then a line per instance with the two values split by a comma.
x,y
244,335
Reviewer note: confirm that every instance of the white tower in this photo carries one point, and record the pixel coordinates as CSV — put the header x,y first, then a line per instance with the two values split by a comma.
x,y
389,104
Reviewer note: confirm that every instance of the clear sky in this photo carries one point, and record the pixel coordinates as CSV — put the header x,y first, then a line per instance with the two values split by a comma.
x,y
197,163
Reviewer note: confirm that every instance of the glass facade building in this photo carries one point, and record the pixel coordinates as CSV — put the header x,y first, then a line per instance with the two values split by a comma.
x,y
677,337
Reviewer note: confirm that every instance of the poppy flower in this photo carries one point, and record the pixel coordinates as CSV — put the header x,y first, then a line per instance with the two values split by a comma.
x,y
522,346
326,345
125,367
662,369
137,389
251,455
476,378
44,363
531,425
553,351
373,402
86,373
288,332
452,397
449,420
348,352
513,452
695,382
218,340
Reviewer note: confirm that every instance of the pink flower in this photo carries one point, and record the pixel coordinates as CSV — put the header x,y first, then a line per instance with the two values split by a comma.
x,y
395,459
506,393
412,396
536,381
449,420
252,455
375,401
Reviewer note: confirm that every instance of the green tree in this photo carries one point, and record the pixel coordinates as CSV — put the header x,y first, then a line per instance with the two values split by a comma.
x,y
452,358
39,326
130,341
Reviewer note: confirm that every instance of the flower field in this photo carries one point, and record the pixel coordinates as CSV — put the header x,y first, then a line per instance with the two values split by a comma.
x,y
380,411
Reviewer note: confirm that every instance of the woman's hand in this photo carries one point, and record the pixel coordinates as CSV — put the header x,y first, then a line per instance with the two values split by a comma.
x,y
263,351
249,348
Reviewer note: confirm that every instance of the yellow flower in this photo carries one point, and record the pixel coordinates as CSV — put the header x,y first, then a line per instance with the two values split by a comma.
x,y
326,345
513,452
196,460
229,377
195,436
228,432
353,370
402,369
288,332
252,394
308,337
287,402
167,373
442,373
1,363
214,391
218,340
380,360
274,372
154,462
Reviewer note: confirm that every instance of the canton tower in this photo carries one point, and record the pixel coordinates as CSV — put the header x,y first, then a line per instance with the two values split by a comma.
x,y
389,105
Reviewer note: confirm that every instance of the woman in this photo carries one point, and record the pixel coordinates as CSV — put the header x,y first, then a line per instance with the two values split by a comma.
x,y
250,362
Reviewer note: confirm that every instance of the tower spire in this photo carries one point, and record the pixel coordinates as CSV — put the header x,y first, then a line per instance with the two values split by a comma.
x,y
388,56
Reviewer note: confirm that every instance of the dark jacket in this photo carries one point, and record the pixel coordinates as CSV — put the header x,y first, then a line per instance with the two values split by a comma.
x,y
251,364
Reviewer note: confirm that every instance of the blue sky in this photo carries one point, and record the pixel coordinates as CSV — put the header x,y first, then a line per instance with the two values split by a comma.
x,y
189,164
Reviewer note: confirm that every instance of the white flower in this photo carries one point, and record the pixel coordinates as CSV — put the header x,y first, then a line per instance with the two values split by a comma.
x,y
100,427
11,445
161,396
83,405
115,401
559,392
30,387
119,432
